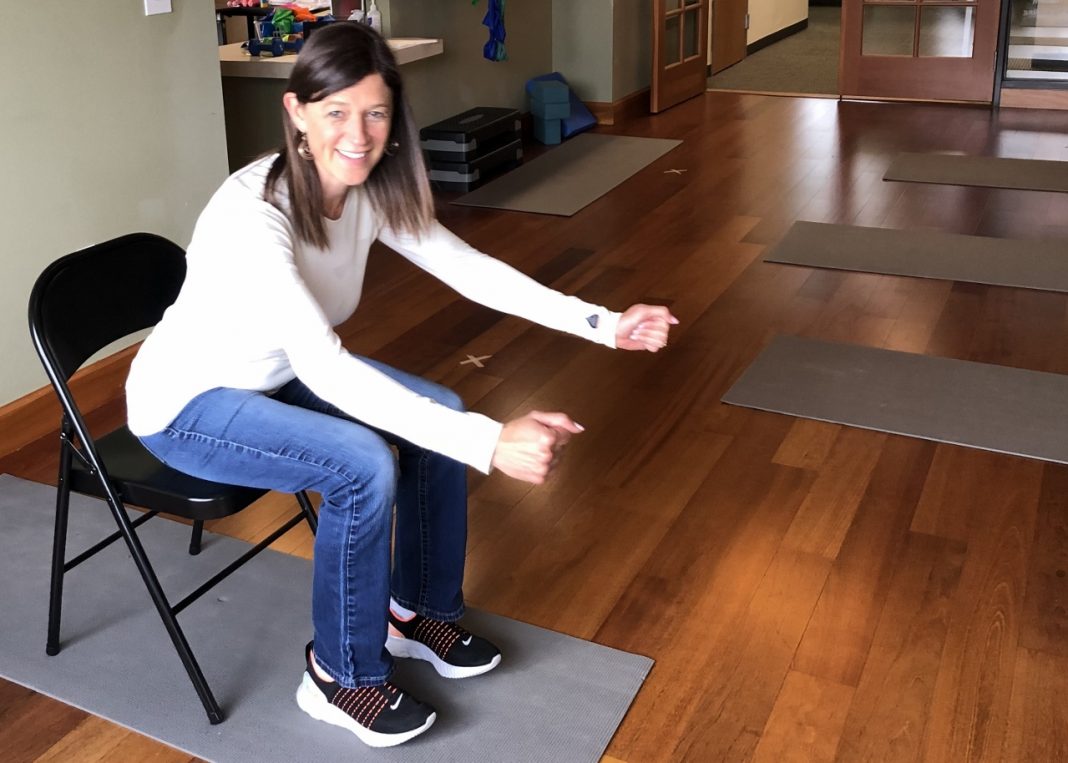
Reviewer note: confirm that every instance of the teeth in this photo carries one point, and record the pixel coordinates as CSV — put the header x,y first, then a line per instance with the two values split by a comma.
x,y
352,154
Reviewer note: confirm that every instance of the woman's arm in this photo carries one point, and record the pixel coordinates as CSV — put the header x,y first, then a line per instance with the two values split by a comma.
x,y
493,283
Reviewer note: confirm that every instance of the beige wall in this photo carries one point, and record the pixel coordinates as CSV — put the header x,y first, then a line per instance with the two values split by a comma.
x,y
112,123
461,78
769,16
582,44
632,49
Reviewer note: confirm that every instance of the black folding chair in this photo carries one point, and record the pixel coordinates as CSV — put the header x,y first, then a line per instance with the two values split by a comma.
x,y
80,304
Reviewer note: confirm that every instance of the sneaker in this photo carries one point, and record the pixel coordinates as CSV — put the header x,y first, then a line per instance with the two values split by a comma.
x,y
452,651
381,716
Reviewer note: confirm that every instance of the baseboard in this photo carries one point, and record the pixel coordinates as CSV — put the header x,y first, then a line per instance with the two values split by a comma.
x,y
775,37
34,415
623,110
1023,98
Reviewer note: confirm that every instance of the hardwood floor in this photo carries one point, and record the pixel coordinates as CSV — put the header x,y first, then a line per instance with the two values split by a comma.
x,y
809,592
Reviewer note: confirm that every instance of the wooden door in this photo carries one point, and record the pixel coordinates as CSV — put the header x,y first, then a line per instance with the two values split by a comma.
x,y
680,51
728,33
939,50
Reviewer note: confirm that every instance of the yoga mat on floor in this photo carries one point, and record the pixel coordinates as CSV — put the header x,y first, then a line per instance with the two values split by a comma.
x,y
984,171
997,408
926,254
567,178
553,697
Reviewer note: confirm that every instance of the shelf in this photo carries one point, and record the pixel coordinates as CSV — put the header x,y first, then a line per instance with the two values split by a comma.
x,y
234,61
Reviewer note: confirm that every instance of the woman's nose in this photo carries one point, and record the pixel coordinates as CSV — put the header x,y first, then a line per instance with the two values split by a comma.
x,y
358,131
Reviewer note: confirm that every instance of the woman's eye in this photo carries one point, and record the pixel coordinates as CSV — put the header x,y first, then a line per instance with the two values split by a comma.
x,y
378,116
334,114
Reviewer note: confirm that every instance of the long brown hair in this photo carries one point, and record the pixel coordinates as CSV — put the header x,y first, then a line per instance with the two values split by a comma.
x,y
334,58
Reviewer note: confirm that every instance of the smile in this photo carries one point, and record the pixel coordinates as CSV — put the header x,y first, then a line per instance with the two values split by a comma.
x,y
352,154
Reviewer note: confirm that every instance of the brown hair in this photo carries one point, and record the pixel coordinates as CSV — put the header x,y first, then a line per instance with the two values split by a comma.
x,y
334,58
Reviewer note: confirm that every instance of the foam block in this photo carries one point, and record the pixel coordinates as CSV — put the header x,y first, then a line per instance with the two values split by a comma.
x,y
548,131
543,110
581,118
549,91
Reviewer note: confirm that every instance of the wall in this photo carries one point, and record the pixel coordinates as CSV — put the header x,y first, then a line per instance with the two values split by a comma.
x,y
461,78
769,16
632,47
114,125
582,44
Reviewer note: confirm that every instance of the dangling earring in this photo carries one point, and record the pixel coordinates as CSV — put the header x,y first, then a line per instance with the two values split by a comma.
x,y
391,148
303,149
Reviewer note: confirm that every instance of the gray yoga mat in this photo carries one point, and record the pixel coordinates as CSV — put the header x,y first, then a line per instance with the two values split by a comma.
x,y
926,254
554,697
996,408
567,178
983,171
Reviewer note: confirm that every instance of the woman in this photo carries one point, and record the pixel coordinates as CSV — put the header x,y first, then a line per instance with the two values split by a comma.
x,y
245,381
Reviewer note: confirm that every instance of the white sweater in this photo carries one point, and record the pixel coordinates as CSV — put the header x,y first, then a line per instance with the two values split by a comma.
x,y
258,308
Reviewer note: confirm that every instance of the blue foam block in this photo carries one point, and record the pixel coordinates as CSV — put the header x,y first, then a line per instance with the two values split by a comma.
x,y
548,131
581,118
544,110
549,91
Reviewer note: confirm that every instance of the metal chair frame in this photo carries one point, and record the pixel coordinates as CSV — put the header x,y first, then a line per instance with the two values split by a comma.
x,y
155,268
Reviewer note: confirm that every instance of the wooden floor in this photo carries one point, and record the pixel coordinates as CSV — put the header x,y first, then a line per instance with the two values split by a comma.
x,y
809,592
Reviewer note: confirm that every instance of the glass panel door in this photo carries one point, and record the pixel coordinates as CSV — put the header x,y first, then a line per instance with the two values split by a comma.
x,y
919,49
680,51
1038,41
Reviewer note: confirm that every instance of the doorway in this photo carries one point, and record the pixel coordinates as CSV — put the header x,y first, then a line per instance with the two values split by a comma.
x,y
792,49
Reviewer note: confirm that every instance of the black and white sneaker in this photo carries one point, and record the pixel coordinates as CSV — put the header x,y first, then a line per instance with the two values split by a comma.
x,y
381,716
452,651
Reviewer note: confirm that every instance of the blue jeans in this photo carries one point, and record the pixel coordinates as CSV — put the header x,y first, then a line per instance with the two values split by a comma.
x,y
292,440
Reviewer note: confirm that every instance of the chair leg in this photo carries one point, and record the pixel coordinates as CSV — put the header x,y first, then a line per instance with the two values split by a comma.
x,y
198,534
309,511
155,590
59,554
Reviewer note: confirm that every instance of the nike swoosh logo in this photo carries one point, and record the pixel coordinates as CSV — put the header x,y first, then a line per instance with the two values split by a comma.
x,y
396,704
466,641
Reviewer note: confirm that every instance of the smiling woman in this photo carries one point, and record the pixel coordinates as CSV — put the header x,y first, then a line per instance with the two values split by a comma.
x,y
245,381
345,134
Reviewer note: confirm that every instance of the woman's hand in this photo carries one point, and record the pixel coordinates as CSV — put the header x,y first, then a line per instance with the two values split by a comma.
x,y
529,446
644,327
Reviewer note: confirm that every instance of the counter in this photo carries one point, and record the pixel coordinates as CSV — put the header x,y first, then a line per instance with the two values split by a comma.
x,y
234,61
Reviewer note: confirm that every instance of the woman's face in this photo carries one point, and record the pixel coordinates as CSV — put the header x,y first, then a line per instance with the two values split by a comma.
x,y
347,133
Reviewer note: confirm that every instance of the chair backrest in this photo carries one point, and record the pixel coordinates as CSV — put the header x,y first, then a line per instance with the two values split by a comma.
x,y
86,300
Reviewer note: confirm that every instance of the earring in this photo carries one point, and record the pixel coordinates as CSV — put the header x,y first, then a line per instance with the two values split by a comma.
x,y
303,149
392,147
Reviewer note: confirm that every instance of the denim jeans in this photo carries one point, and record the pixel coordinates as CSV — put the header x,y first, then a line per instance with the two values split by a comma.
x,y
292,440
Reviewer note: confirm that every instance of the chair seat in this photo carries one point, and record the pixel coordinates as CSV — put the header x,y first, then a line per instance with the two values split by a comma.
x,y
143,481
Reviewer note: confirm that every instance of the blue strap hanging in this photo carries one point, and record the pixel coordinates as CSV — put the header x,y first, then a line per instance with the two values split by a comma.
x,y
494,49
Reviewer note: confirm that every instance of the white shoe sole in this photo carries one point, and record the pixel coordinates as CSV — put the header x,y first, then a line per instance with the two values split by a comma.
x,y
313,702
416,650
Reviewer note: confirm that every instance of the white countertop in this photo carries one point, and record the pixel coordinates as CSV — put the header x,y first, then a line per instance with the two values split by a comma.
x,y
234,61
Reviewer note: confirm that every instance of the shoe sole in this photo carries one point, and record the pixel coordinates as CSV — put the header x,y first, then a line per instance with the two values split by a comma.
x,y
416,650
312,701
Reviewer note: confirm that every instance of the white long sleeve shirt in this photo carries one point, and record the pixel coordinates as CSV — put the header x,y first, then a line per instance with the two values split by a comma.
x,y
258,308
